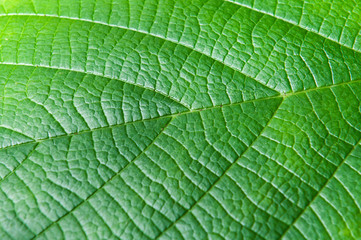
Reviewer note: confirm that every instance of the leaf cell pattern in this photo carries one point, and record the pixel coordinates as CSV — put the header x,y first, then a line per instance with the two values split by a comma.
x,y
180,119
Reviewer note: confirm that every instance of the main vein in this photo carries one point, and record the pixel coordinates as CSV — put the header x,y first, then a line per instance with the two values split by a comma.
x,y
286,95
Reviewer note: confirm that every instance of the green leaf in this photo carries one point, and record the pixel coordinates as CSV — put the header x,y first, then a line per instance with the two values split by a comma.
x,y
180,119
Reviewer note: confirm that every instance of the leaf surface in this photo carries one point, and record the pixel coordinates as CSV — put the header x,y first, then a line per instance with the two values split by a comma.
x,y
162,119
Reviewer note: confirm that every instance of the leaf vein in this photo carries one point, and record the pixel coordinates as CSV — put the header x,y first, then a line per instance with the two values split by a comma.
x,y
319,192
292,23
106,182
219,178
133,30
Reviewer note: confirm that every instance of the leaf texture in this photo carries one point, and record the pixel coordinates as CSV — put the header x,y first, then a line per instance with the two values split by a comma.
x,y
180,119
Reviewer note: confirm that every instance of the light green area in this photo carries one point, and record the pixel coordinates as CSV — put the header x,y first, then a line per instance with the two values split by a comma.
x,y
162,119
